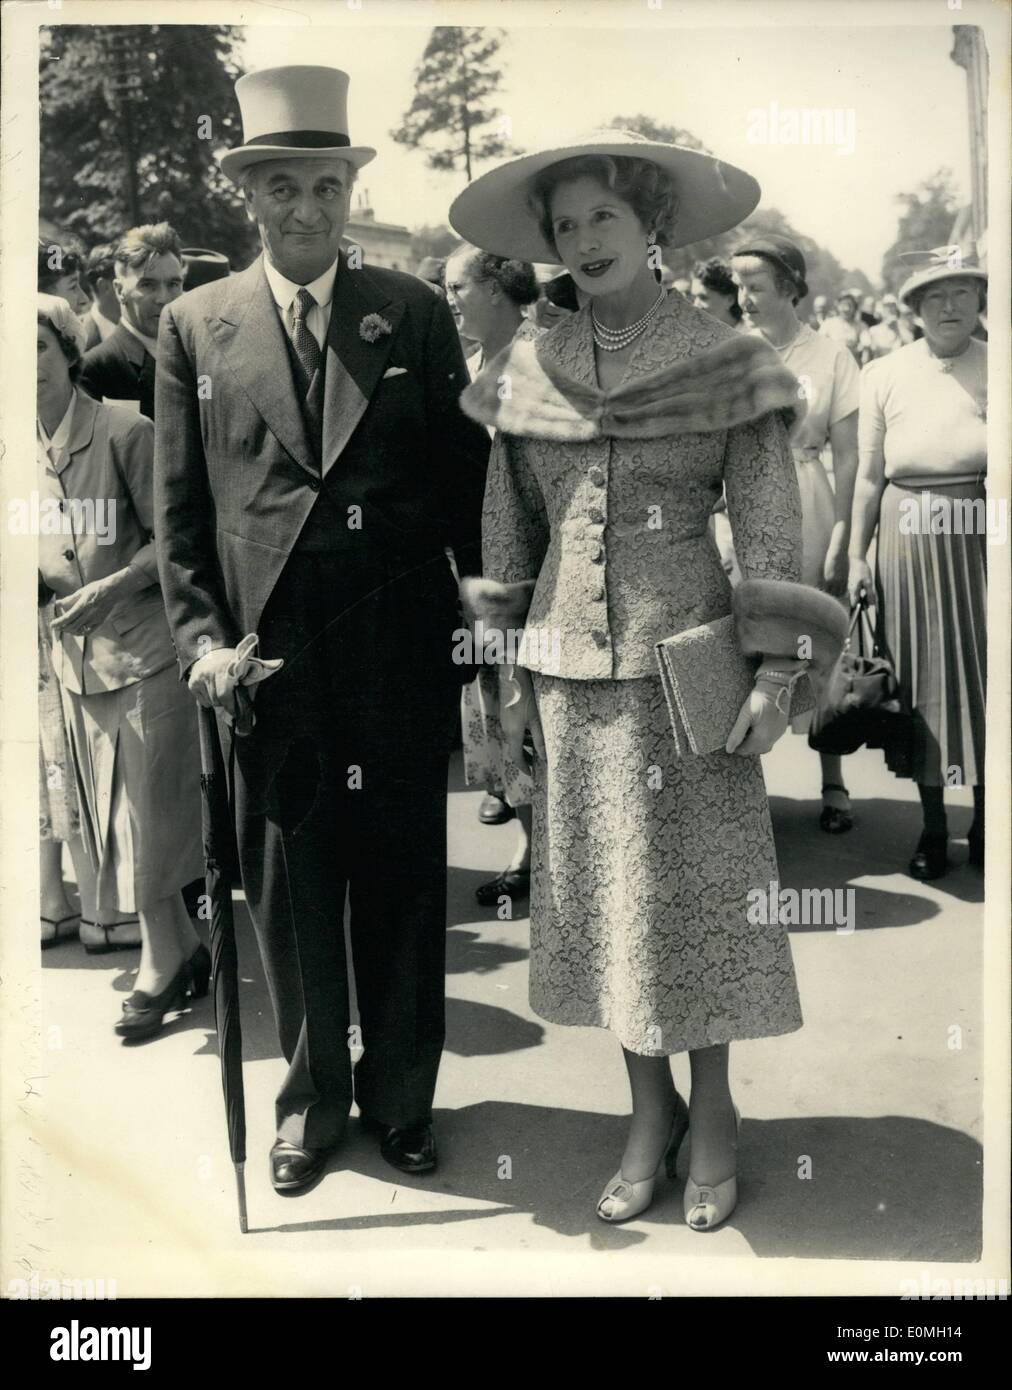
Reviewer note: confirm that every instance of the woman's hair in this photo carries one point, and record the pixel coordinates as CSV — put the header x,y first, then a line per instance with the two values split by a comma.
x,y
68,346
641,183
783,281
715,275
915,296
67,263
516,279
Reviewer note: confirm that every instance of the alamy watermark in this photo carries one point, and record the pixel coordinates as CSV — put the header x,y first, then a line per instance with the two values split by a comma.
x,y
802,907
36,515
835,127
932,514
511,646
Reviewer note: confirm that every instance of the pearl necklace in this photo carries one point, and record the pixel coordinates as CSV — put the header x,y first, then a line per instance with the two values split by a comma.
x,y
615,339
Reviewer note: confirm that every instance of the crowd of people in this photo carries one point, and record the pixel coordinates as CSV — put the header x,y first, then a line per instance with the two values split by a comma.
x,y
528,507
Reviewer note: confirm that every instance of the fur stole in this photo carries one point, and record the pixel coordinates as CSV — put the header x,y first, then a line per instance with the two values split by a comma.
x,y
523,392
771,615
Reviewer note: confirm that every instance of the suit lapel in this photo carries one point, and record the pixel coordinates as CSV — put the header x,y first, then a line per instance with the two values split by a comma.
x,y
259,358
354,365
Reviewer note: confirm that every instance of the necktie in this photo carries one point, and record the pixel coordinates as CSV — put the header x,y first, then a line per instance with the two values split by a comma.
x,y
306,346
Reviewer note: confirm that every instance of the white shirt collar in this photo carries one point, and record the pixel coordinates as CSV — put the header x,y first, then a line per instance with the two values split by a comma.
x,y
150,343
285,290
61,434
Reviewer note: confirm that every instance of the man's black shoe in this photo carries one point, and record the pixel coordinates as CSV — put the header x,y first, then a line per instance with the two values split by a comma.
x,y
294,1169
412,1149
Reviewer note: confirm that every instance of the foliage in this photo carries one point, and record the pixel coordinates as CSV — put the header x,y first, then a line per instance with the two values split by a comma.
x,y
186,73
452,82
926,222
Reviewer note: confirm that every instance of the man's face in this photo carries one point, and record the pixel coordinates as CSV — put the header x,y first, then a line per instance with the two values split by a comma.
x,y
300,207
143,291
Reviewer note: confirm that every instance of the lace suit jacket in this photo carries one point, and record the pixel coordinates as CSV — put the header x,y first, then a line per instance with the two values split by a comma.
x,y
614,530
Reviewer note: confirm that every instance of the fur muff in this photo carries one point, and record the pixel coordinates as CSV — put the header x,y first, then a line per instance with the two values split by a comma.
x,y
771,616
738,380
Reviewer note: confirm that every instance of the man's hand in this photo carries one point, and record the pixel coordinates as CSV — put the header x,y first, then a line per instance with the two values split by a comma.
x,y
212,682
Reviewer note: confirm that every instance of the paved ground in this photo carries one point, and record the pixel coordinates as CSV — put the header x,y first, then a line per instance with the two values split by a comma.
x,y
137,1185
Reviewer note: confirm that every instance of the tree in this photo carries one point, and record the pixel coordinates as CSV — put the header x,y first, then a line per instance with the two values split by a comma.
x,y
134,135
926,222
452,83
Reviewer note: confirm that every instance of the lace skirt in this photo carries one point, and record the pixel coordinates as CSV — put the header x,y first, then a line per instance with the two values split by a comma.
x,y
642,867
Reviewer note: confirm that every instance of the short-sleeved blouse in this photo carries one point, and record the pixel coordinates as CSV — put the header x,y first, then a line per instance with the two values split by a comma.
x,y
830,379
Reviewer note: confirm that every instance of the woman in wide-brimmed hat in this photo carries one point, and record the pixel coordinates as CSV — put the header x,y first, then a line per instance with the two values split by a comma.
x,y
921,486
616,431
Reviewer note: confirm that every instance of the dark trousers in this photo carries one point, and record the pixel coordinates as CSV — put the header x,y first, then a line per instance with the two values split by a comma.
x,y
340,787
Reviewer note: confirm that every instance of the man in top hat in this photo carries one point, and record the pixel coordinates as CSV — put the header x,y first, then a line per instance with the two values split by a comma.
x,y
312,467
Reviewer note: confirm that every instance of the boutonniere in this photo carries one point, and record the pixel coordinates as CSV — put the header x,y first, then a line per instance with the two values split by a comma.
x,y
373,327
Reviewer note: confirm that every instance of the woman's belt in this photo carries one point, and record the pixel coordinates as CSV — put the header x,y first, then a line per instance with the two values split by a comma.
x,y
918,482
806,453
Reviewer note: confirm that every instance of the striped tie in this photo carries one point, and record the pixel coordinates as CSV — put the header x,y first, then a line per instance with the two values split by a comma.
x,y
306,346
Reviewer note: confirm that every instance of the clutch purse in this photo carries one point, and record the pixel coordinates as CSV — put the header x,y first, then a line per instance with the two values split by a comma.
x,y
706,681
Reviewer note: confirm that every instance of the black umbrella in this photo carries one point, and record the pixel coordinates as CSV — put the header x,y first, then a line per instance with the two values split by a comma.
x,y
220,859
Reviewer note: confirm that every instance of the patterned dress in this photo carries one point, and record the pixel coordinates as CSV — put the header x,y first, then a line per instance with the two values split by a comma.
x,y
643,862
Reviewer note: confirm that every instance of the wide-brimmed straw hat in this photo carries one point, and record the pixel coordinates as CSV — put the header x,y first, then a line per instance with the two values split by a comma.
x,y
293,112
941,263
495,211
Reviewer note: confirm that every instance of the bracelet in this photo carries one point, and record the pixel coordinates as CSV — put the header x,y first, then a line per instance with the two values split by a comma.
x,y
771,673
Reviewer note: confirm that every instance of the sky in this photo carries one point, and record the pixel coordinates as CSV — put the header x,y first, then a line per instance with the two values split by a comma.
x,y
899,106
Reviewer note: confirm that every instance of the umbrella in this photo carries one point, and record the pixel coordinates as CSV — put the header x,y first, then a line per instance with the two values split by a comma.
x,y
220,859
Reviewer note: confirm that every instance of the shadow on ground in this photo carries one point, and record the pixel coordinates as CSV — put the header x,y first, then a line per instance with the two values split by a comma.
x,y
873,1183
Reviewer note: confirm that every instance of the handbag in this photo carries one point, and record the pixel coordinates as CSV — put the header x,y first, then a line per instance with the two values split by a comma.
x,y
706,680
859,706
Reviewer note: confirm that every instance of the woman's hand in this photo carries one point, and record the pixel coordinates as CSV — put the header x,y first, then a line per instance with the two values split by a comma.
x,y
91,605
518,713
859,576
760,722
835,567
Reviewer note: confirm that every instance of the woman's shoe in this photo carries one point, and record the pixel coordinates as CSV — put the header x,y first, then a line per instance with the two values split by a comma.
x,y
930,859
99,940
144,1014
833,820
627,1199
495,810
200,971
58,929
706,1207
514,884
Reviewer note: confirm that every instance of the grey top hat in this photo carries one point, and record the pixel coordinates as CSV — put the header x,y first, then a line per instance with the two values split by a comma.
x,y
291,112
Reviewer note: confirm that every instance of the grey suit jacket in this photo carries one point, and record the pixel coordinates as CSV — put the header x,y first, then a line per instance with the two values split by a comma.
x,y
236,477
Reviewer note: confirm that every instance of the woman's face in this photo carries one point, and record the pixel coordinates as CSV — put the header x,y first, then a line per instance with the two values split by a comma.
x,y
948,310
719,305
68,287
52,370
599,238
758,295
474,303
